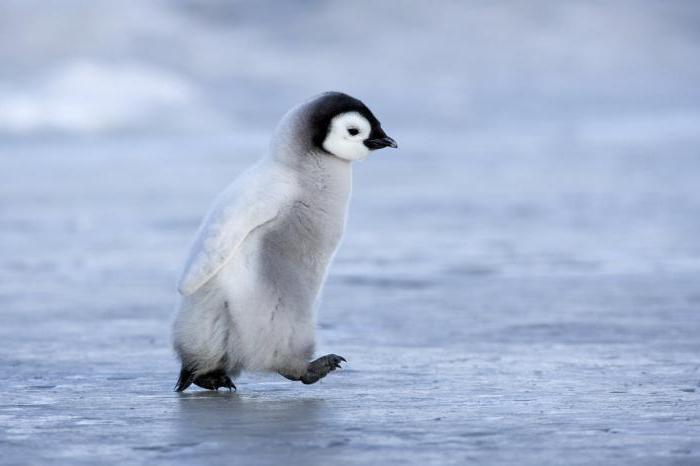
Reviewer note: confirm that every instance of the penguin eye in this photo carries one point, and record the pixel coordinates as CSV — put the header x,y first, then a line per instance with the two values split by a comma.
x,y
353,131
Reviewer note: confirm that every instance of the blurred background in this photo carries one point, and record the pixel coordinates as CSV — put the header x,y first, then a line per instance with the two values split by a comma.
x,y
536,235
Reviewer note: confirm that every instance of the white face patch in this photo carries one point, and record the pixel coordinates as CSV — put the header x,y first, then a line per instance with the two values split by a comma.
x,y
346,136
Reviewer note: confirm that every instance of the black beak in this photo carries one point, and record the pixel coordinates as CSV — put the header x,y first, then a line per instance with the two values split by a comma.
x,y
378,143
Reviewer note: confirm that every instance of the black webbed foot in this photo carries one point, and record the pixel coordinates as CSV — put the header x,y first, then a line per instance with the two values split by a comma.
x,y
214,380
211,380
320,368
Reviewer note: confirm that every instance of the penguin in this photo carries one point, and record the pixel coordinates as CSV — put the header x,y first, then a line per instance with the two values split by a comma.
x,y
251,282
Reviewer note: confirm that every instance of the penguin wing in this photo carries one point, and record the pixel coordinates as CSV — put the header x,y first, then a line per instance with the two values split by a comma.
x,y
238,211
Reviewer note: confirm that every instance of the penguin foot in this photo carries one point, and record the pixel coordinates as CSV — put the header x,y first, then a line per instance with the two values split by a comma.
x,y
211,380
214,380
318,369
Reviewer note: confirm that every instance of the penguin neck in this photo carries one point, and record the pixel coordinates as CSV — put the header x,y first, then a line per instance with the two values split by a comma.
x,y
317,171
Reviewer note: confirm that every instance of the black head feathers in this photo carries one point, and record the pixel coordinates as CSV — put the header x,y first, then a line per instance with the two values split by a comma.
x,y
331,104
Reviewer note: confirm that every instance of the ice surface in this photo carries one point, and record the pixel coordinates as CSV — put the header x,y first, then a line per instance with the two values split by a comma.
x,y
519,282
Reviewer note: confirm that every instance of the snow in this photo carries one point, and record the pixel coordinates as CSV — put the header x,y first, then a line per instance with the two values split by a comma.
x,y
518,282
88,97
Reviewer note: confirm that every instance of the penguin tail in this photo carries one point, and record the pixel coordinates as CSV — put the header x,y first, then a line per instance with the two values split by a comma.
x,y
185,380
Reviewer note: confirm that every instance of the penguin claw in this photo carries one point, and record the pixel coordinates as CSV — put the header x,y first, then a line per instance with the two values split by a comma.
x,y
334,361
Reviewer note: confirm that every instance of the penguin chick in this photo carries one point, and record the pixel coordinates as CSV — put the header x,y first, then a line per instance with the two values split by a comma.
x,y
251,282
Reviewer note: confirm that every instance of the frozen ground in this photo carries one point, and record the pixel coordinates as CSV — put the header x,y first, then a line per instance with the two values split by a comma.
x,y
495,312
519,283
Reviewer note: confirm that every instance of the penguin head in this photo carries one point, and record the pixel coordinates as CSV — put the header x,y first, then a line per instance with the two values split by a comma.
x,y
344,127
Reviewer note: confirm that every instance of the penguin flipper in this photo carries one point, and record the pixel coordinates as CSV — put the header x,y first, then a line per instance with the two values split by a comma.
x,y
247,204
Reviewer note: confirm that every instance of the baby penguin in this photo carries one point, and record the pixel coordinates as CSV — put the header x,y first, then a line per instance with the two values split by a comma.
x,y
258,262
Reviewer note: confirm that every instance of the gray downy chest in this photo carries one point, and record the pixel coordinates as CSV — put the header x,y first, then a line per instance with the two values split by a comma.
x,y
299,244
307,233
